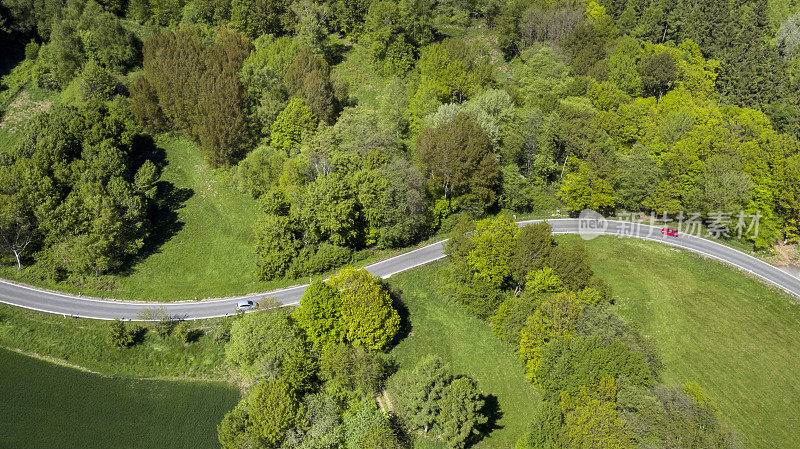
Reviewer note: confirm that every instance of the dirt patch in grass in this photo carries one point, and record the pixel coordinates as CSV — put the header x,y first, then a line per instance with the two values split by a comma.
x,y
21,110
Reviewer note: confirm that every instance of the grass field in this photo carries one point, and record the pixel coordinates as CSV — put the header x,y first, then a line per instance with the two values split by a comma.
x,y
713,325
206,245
468,345
45,405
82,342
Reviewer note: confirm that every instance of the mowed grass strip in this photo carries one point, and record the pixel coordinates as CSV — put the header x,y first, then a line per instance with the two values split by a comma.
x,y
468,345
714,325
46,405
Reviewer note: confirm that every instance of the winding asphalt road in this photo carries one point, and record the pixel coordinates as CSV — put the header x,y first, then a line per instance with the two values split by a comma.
x,y
71,305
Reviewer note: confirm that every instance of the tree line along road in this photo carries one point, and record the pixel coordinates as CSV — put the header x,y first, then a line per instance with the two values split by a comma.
x,y
106,309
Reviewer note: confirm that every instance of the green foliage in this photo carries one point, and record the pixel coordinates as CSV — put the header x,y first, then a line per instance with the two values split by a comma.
x,y
262,76
555,318
308,77
584,189
331,211
491,256
493,250
534,244
276,247
118,334
268,345
272,410
543,431
96,83
458,163
311,24
368,317
369,428
232,431
319,314
84,224
592,421
293,125
460,413
352,307
197,91
430,398
106,41
420,392
59,60
570,262
17,226
352,370
510,317
322,424
658,73
254,19
182,332
447,74
567,364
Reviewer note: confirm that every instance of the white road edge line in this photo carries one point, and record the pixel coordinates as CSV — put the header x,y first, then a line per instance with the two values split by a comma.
x,y
173,305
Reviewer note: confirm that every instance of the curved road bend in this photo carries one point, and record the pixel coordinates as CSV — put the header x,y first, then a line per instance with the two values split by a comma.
x,y
60,303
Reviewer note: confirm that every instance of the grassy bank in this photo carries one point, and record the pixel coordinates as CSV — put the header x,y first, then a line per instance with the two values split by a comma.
x,y
713,325
45,405
468,345
82,342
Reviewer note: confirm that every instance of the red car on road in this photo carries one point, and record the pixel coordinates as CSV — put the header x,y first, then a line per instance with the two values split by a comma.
x,y
670,232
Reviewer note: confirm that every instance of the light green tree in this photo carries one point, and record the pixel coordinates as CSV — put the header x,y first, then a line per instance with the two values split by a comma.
x,y
295,123
369,318
585,189
265,344
493,249
556,317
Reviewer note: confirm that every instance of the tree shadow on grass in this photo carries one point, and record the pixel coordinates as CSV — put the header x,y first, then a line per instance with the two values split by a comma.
x,y
138,333
194,335
405,316
491,410
164,222
335,51
162,214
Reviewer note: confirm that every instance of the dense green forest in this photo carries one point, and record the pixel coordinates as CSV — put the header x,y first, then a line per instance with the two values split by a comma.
x,y
363,125
666,109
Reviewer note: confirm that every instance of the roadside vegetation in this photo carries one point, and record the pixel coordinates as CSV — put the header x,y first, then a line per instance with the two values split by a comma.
x,y
145,354
713,325
672,297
